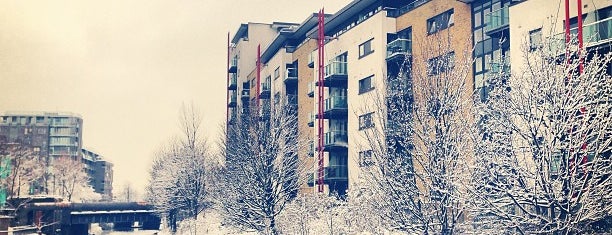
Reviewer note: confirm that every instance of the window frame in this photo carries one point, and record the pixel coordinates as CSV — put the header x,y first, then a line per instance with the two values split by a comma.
x,y
365,90
445,19
366,121
532,43
365,53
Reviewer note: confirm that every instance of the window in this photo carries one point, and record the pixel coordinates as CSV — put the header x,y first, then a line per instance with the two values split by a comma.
x,y
276,73
365,121
535,39
365,48
365,84
440,22
441,64
365,158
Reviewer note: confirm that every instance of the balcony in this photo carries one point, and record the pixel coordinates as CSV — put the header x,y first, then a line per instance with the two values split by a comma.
x,y
311,89
311,179
399,49
312,149
336,74
336,173
312,117
335,140
232,101
232,119
264,93
335,107
245,94
291,76
233,65
497,21
232,83
593,34
311,59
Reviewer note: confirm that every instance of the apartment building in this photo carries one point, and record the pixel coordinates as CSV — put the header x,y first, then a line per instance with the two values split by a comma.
x,y
242,57
547,24
100,173
365,40
50,135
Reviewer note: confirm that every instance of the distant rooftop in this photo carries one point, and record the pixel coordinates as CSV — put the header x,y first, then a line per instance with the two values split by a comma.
x,y
40,113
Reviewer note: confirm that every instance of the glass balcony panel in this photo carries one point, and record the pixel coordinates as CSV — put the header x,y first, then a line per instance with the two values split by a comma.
x,y
335,102
336,68
399,46
497,19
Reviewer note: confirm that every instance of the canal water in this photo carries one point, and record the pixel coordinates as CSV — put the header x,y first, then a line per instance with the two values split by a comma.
x,y
95,229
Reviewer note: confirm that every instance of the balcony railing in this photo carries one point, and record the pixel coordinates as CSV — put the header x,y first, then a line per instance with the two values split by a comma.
x,y
405,9
311,119
233,65
399,47
265,91
593,34
311,89
245,94
311,59
335,103
335,139
336,173
232,82
291,76
497,20
336,68
232,101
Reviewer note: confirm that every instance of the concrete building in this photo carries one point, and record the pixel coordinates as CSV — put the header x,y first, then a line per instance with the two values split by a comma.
x,y
52,134
546,24
356,54
364,41
100,173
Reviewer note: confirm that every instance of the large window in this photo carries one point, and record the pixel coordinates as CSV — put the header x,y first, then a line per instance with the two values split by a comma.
x,y
441,63
535,39
366,121
365,48
440,22
365,84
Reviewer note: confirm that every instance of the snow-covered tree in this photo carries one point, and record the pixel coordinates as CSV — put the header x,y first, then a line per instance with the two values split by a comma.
x,y
262,171
21,167
181,172
418,153
543,159
69,177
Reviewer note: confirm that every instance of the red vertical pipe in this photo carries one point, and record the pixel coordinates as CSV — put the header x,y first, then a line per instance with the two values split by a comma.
x,y
227,82
580,40
567,31
258,65
321,121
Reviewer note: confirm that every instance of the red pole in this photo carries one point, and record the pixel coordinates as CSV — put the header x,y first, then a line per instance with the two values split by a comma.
x,y
258,65
321,121
580,40
567,31
227,82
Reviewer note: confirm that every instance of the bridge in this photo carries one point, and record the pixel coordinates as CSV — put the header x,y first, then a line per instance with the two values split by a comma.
x,y
75,218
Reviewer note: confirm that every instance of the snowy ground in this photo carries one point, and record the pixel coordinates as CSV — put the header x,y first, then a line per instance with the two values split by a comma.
x,y
209,222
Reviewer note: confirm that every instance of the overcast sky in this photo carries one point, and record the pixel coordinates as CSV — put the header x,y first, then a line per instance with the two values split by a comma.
x,y
127,65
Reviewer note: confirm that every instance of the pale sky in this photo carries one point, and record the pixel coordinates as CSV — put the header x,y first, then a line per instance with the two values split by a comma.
x,y
127,65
